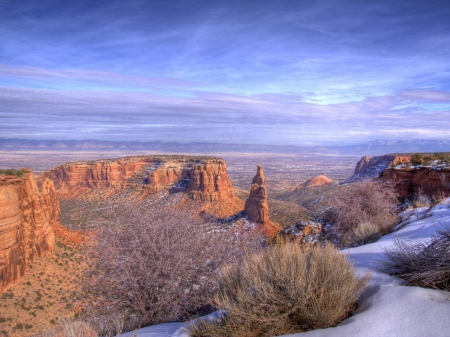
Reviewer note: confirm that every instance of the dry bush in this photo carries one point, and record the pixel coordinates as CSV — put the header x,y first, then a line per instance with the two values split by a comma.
x,y
421,200
70,328
285,289
157,264
421,264
363,212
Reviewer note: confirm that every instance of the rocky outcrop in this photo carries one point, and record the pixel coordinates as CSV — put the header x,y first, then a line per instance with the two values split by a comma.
x,y
371,167
317,181
410,182
204,178
26,216
375,165
304,231
256,205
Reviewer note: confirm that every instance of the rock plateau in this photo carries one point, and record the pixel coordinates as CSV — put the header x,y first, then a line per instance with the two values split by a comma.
x,y
205,178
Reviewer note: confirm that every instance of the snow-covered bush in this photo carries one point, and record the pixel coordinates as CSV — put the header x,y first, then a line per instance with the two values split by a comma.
x,y
363,211
285,289
157,264
421,264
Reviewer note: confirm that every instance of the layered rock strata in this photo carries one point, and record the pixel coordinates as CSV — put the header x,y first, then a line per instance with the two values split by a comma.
x,y
205,178
410,182
26,216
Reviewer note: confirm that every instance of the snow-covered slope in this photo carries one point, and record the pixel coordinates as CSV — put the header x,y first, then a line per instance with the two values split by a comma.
x,y
386,307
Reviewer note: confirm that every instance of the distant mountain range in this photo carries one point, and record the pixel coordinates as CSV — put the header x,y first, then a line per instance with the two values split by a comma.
x,y
376,147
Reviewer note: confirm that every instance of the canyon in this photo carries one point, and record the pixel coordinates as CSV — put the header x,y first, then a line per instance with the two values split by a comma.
x,y
26,219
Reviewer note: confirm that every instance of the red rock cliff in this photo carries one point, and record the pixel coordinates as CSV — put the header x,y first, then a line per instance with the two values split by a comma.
x,y
425,180
205,178
26,216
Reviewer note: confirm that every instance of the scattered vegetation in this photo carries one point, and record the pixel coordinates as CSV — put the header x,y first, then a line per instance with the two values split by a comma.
x,y
157,264
420,263
426,159
363,212
285,289
12,172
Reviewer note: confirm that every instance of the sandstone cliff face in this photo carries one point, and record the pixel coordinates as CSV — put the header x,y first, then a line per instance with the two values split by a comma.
x,y
256,205
425,180
205,178
26,216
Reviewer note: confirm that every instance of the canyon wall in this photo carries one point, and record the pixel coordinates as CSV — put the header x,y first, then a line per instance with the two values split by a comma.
x,y
26,216
410,182
205,178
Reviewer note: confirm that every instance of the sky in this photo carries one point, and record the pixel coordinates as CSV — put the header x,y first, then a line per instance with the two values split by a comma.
x,y
285,72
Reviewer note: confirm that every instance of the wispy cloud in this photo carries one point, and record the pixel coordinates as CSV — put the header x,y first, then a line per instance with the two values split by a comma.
x,y
248,71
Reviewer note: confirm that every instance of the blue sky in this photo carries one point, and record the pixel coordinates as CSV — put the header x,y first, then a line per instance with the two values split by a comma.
x,y
263,72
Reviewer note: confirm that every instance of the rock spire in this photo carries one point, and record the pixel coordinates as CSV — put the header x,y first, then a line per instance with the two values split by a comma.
x,y
256,205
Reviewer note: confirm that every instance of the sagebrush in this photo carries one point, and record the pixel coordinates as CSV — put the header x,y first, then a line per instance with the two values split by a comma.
x,y
423,264
157,264
287,288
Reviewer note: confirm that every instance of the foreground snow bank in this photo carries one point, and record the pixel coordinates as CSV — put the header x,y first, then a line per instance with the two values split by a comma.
x,y
386,307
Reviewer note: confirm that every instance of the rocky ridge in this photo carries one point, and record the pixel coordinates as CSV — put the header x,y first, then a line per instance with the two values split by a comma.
x,y
26,219
371,167
204,178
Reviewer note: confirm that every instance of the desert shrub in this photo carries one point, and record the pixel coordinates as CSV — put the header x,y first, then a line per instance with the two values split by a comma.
x,y
363,212
68,327
419,263
421,200
417,159
285,289
156,264
13,172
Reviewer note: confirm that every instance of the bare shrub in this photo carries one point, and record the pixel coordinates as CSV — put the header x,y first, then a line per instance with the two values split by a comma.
x,y
363,212
285,289
421,200
421,264
157,264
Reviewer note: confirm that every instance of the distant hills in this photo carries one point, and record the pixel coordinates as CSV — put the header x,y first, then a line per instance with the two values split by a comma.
x,y
376,147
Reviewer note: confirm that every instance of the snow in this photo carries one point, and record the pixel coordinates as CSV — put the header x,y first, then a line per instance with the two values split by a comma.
x,y
386,307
